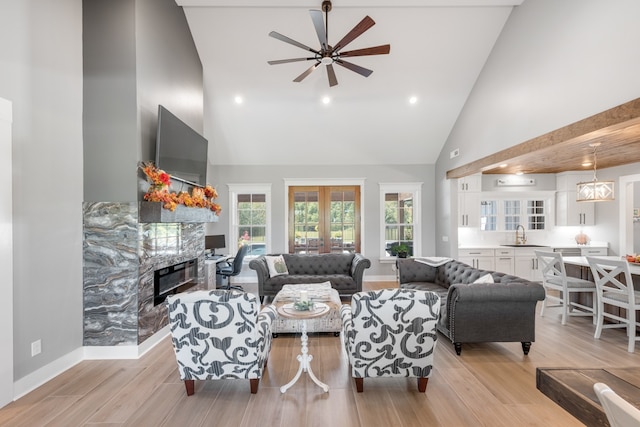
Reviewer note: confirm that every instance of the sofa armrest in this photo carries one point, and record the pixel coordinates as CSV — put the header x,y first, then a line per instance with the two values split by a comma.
x,y
359,264
262,270
496,292
410,270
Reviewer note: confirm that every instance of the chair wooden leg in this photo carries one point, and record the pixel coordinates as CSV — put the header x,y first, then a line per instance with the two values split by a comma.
x,y
190,385
422,384
359,384
254,382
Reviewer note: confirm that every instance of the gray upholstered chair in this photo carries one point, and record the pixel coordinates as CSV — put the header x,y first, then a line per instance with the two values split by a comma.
x,y
220,335
391,333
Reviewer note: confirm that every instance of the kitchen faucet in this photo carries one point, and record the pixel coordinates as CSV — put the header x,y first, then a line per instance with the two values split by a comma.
x,y
520,240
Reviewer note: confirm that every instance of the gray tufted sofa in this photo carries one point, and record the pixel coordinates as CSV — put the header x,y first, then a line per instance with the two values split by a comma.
x,y
344,271
503,311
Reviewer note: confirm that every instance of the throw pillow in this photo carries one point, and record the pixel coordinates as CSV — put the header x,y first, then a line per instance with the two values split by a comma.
x,y
276,265
487,278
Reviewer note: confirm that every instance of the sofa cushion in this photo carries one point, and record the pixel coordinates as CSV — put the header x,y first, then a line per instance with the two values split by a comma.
x,y
277,265
487,278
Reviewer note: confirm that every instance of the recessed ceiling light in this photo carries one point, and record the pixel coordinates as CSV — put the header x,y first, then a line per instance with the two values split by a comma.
x,y
413,100
326,100
519,173
238,99
504,165
585,164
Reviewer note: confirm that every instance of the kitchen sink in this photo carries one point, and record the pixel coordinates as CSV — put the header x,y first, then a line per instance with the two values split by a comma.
x,y
526,246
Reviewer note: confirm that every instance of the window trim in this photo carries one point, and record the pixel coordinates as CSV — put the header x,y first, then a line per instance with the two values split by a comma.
x,y
234,190
402,187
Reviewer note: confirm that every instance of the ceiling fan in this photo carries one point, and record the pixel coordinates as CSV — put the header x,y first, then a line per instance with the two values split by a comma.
x,y
328,55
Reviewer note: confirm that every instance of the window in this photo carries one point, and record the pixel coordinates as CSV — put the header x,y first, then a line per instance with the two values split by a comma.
x,y
400,218
251,218
500,212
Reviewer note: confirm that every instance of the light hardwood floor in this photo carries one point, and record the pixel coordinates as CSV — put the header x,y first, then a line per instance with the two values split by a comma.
x,y
490,384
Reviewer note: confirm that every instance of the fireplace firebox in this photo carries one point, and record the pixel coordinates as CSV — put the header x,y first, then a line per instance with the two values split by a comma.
x,y
174,279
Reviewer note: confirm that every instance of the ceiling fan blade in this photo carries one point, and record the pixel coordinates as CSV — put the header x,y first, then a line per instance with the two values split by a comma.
x,y
376,50
362,26
306,73
286,39
353,67
285,61
318,23
331,73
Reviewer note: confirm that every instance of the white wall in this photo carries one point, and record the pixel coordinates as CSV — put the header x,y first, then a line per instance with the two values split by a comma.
x,y
41,72
555,62
6,255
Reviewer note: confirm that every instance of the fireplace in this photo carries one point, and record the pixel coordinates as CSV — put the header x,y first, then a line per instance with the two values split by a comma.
x,y
174,279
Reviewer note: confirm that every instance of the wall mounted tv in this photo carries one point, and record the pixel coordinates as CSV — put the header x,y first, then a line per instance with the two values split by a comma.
x,y
180,150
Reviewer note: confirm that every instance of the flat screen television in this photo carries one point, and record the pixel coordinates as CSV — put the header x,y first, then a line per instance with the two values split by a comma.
x,y
180,150
214,242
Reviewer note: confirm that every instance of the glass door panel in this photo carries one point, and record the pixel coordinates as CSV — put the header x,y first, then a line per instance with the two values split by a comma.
x,y
324,219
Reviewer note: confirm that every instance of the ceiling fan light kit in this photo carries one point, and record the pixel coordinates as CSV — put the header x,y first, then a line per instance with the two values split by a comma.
x,y
328,55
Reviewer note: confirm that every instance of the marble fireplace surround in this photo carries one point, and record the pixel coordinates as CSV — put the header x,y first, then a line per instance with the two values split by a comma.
x,y
120,256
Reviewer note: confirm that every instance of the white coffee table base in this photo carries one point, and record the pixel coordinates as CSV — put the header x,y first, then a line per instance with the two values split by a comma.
x,y
305,363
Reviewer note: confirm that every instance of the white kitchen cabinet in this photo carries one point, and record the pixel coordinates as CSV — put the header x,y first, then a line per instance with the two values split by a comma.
x,y
482,259
469,188
568,210
471,183
594,251
468,209
526,263
504,260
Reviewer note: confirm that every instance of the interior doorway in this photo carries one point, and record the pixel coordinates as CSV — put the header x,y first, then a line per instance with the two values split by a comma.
x,y
627,204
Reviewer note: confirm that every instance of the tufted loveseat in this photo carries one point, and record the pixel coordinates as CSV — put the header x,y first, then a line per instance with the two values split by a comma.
x,y
503,311
344,271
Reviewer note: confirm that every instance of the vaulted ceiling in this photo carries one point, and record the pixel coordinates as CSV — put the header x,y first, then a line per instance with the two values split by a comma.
x,y
438,48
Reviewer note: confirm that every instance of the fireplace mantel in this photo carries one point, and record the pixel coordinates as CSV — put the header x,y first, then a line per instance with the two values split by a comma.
x,y
150,212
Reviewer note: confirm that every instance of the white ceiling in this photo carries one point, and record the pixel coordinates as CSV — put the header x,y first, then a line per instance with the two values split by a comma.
x,y
438,49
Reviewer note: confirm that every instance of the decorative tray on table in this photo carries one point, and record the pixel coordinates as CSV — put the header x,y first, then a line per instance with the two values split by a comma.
x,y
316,309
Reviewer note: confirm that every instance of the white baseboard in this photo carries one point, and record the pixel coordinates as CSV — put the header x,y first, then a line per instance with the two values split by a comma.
x,y
35,379
386,278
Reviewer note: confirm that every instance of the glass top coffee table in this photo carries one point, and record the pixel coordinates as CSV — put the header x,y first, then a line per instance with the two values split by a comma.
x,y
304,358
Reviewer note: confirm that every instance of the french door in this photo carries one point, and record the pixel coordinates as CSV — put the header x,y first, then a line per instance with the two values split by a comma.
x,y
324,219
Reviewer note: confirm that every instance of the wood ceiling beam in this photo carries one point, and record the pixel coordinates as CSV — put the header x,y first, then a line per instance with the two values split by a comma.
x,y
562,149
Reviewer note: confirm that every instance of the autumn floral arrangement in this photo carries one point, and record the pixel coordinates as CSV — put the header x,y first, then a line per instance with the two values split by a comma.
x,y
159,182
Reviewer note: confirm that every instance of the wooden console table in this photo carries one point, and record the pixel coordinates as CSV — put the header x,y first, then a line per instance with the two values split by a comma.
x,y
572,389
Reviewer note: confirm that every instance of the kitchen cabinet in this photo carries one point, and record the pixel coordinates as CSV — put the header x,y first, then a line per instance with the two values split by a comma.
x,y
482,259
504,260
594,251
526,263
469,188
568,210
468,209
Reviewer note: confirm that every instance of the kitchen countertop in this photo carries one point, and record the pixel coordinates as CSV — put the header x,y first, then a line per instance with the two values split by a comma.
x,y
498,246
582,261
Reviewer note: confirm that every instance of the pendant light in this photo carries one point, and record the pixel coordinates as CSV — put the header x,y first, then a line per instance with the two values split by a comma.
x,y
595,191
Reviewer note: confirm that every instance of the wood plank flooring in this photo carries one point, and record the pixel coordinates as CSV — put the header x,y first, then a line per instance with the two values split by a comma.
x,y
490,384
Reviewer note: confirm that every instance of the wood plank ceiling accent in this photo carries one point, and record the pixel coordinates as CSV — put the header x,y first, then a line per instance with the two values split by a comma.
x,y
567,148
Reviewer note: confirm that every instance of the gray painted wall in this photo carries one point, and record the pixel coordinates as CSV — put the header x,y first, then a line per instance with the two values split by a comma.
x,y
542,77
373,175
41,72
137,54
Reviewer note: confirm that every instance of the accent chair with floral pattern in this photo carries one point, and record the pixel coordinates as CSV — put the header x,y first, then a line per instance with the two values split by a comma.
x,y
391,333
220,334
